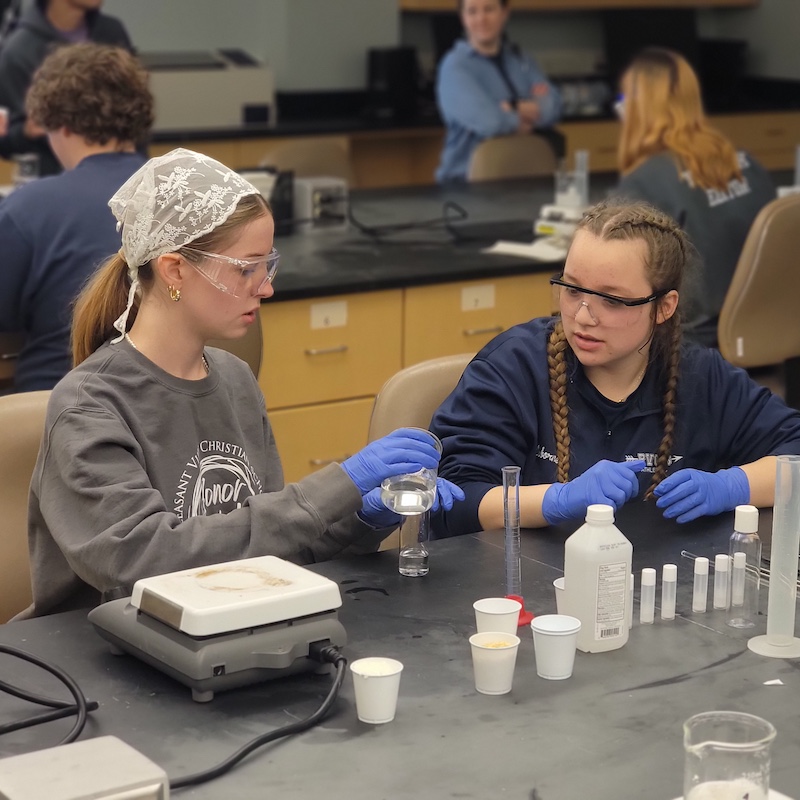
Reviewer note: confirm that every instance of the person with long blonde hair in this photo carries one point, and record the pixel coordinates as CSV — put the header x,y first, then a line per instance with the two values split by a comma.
x,y
671,156
605,403
157,453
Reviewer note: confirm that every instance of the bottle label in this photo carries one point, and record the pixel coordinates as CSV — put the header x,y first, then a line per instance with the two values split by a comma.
x,y
612,584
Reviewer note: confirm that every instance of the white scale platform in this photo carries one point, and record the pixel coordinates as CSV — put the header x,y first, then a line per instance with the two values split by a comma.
x,y
225,625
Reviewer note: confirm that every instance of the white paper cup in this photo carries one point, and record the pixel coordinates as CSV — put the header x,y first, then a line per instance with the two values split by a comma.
x,y
377,683
555,637
494,656
497,614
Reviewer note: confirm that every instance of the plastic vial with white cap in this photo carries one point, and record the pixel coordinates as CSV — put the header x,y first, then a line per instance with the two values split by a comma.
x,y
630,600
745,557
700,593
669,590
648,599
721,581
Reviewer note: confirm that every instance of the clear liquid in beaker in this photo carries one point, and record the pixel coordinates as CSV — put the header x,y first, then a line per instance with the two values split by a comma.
x,y
408,494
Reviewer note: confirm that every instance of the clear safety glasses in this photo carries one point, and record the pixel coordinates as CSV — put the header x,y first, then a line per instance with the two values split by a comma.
x,y
609,308
240,277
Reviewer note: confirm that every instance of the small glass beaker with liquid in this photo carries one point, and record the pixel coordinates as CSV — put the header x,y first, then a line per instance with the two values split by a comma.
x,y
411,496
727,756
26,168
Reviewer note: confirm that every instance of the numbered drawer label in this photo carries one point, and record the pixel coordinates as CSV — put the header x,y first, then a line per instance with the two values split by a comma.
x,y
475,298
328,315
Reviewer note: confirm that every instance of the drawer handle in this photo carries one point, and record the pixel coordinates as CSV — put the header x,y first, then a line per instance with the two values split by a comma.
x,y
480,331
324,351
8,356
321,462
775,132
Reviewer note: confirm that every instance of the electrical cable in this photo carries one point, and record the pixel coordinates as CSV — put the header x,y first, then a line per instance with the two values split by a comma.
x,y
80,707
445,221
325,653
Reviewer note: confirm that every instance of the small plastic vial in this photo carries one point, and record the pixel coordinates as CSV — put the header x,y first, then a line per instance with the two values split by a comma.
x,y
721,581
745,558
630,600
648,600
700,593
669,590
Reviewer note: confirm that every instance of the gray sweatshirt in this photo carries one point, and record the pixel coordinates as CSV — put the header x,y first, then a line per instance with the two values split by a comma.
x,y
141,473
716,222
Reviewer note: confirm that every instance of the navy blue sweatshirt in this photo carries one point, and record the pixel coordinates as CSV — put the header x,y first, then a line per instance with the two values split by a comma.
x,y
499,415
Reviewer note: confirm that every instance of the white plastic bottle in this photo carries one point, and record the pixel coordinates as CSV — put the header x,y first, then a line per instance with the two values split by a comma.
x,y
597,563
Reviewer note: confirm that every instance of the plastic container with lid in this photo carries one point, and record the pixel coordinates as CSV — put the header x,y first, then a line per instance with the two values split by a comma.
x,y
597,563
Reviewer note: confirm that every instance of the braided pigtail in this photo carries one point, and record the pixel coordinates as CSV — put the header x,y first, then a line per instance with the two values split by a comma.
x,y
557,368
673,357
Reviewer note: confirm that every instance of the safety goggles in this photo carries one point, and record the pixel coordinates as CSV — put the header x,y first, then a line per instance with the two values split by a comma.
x,y
610,306
239,277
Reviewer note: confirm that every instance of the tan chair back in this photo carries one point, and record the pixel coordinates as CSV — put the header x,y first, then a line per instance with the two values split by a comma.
x,y
22,418
248,348
326,156
410,398
10,345
758,324
518,156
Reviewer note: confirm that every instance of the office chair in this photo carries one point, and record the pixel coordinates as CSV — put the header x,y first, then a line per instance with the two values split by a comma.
x,y
22,418
248,348
409,399
758,324
309,158
521,155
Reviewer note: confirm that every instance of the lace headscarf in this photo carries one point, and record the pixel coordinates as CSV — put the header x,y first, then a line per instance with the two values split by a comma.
x,y
169,202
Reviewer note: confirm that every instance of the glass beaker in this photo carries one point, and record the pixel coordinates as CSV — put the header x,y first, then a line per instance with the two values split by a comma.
x,y
411,495
727,756
26,168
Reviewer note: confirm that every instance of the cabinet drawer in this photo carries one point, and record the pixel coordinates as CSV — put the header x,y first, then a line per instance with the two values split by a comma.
x,y
330,348
311,437
462,317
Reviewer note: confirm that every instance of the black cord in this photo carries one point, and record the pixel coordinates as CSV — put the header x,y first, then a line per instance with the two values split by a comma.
x,y
445,221
326,654
80,708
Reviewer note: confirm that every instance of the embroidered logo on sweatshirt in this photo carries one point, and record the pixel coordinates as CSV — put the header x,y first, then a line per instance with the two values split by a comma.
x,y
650,460
217,479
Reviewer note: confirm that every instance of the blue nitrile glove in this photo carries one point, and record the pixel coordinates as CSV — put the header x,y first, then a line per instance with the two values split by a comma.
x,y
401,451
446,494
691,493
375,513
610,482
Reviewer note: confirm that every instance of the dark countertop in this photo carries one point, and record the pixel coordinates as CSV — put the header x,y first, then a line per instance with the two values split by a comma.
x,y
613,730
345,260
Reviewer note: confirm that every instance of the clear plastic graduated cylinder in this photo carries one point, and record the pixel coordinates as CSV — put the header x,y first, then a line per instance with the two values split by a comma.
x,y
597,563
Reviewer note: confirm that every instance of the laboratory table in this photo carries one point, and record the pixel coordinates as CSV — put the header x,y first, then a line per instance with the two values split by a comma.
x,y
613,730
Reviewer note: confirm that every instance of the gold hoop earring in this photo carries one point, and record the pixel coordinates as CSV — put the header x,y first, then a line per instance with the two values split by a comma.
x,y
174,293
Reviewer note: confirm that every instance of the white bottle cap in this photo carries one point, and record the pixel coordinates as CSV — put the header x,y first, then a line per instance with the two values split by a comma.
x,y
739,560
720,563
648,576
599,512
669,573
701,566
746,519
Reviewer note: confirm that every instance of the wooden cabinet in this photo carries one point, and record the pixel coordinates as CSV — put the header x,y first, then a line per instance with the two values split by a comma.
x,y
310,437
599,138
329,348
771,137
462,317
325,359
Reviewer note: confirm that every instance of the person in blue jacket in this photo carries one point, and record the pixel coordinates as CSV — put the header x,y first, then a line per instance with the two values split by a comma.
x,y
95,104
606,403
485,87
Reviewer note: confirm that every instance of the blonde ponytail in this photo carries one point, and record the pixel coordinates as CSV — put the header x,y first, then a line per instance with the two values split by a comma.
x,y
100,303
